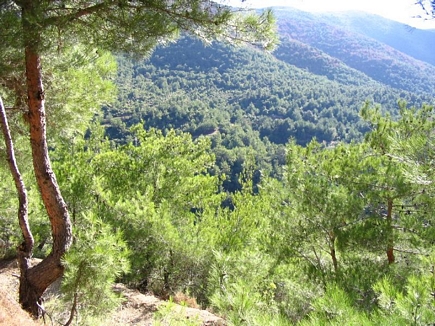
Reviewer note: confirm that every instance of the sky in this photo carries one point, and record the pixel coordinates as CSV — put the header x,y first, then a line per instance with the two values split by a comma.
x,y
400,10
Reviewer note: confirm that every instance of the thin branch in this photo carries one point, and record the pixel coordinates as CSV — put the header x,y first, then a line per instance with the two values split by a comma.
x,y
73,311
27,246
81,12
409,251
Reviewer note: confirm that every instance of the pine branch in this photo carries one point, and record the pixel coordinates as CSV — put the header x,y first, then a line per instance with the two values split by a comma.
x,y
73,311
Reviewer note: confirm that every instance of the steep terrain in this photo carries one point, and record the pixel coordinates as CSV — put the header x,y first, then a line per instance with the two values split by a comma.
x,y
313,85
358,68
137,309
416,43
362,49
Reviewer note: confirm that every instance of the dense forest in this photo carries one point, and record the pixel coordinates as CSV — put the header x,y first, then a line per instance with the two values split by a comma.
x,y
312,86
414,42
275,188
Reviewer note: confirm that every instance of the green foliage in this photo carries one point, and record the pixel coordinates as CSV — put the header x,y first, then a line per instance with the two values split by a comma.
x,y
71,73
160,183
309,248
326,207
133,27
264,254
335,308
354,202
170,314
8,230
244,100
402,158
9,227
97,258
79,81
148,164
412,302
242,288
239,301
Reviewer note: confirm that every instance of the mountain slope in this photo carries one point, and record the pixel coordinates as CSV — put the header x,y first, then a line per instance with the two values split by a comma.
x,y
318,62
416,43
187,84
377,60
250,103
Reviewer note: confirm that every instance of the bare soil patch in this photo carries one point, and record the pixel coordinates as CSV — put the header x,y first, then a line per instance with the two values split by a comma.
x,y
137,309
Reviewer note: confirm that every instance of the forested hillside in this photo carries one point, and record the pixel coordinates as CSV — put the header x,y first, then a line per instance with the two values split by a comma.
x,y
293,187
380,61
417,43
312,86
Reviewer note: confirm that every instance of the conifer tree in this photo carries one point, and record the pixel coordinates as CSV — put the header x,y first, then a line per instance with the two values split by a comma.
x,y
31,29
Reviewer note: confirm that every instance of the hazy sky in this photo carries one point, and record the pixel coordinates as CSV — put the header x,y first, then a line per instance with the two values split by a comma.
x,y
400,10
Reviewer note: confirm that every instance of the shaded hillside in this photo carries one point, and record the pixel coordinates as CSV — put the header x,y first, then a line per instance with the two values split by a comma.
x,y
378,60
417,43
319,63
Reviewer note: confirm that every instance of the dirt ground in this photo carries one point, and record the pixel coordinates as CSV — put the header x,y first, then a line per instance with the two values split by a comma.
x,y
137,309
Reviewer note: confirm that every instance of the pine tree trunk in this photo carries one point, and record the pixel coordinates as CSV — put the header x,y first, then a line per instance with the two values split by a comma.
x,y
332,252
390,235
35,280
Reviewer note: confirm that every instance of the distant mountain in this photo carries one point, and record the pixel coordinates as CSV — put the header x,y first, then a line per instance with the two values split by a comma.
x,y
343,37
416,43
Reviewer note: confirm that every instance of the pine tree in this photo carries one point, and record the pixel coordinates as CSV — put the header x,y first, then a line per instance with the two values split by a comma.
x,y
32,29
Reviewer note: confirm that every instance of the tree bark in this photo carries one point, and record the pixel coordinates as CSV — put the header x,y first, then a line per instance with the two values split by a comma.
x,y
390,234
332,251
38,278
26,247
